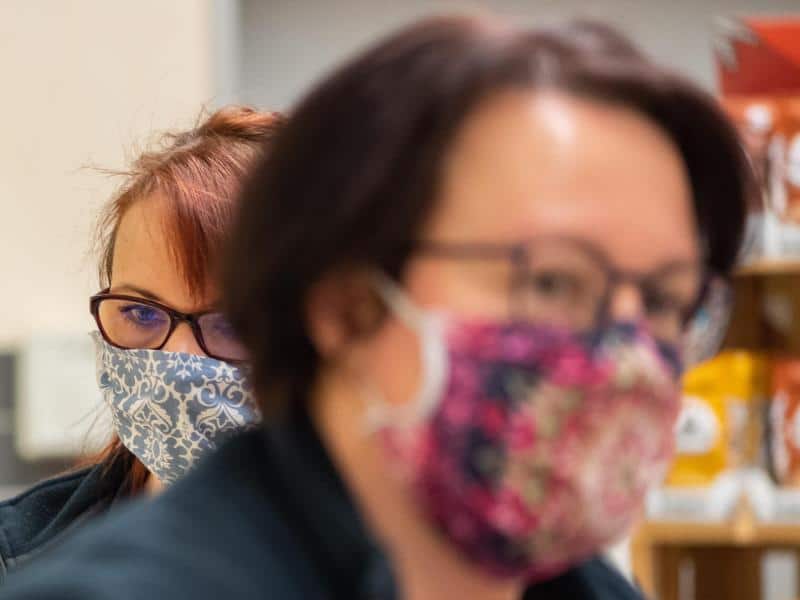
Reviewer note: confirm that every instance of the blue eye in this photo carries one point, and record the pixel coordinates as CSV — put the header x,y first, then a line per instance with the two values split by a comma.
x,y
142,315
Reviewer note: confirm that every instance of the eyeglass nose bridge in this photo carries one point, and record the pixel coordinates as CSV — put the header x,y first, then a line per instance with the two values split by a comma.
x,y
622,280
176,318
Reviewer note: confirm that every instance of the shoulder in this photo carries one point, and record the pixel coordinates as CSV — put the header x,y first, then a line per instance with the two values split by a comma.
x,y
595,579
214,534
34,518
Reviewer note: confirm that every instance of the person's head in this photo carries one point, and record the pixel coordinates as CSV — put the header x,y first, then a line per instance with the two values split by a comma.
x,y
160,238
520,181
464,130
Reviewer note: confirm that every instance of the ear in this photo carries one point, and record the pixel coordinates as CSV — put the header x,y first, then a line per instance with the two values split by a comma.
x,y
340,309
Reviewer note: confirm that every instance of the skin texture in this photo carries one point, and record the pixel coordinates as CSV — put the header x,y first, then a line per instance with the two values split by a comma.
x,y
144,265
524,164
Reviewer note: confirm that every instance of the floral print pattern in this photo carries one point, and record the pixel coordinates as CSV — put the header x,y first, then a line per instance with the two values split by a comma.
x,y
171,408
543,444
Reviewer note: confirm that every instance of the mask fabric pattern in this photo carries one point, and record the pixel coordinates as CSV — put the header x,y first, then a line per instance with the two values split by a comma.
x,y
532,448
172,408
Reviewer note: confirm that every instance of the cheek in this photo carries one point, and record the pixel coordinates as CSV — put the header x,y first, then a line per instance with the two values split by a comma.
x,y
392,362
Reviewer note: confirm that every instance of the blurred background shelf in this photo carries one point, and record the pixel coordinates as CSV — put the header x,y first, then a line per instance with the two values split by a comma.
x,y
723,560
766,310
769,267
737,532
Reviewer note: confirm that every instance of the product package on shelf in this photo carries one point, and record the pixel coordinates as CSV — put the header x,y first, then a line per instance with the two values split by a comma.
x,y
718,436
758,66
774,492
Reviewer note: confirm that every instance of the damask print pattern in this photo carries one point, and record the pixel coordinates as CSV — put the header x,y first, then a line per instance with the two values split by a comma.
x,y
172,408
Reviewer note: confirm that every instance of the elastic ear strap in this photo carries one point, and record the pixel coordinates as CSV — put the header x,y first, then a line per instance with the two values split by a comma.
x,y
398,301
434,359
432,355
100,354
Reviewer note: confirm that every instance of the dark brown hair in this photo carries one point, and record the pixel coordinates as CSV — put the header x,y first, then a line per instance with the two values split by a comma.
x,y
197,174
355,174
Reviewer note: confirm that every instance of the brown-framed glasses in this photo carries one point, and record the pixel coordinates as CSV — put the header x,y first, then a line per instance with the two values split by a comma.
x,y
558,280
135,323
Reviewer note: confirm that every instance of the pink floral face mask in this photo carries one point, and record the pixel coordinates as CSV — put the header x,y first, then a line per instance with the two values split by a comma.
x,y
531,448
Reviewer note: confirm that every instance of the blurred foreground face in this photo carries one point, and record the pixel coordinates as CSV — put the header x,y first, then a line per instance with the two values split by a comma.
x,y
523,383
541,166
486,321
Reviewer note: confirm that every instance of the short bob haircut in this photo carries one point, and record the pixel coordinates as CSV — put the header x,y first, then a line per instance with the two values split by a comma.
x,y
354,175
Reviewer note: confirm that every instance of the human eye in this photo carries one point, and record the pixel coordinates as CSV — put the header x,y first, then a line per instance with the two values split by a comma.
x,y
555,285
142,315
662,304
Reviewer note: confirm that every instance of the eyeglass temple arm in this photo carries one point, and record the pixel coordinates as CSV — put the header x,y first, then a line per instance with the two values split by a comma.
x,y
474,250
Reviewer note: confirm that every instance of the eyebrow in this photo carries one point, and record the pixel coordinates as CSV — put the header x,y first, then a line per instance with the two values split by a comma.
x,y
126,287
144,293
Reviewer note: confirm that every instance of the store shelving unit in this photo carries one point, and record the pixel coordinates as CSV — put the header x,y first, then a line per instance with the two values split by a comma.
x,y
766,314
769,267
722,560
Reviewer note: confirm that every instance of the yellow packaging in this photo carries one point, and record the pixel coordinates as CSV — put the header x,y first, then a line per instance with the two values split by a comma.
x,y
718,426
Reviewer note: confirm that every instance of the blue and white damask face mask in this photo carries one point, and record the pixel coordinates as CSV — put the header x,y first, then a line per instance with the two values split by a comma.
x,y
172,408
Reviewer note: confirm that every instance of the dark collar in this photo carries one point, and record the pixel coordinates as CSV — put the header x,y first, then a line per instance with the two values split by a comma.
x,y
345,555
318,503
37,518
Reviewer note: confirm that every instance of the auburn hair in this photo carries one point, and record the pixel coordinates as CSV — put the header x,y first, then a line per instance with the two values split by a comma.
x,y
197,174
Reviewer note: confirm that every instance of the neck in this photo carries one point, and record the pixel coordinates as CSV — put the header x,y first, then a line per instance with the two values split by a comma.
x,y
426,567
153,485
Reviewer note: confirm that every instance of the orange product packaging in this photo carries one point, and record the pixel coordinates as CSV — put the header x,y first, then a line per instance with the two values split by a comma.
x,y
784,422
758,71
787,142
756,119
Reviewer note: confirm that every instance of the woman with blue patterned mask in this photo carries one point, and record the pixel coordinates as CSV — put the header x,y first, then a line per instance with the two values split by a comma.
x,y
169,369
168,364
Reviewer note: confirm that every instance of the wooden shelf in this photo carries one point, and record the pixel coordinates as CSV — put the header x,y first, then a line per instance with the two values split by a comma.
x,y
742,532
769,267
759,289
726,555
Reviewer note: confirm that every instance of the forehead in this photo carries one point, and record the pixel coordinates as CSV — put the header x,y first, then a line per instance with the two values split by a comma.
x,y
527,164
144,256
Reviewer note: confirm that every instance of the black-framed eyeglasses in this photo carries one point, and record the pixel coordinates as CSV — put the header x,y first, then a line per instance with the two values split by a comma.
x,y
135,323
570,282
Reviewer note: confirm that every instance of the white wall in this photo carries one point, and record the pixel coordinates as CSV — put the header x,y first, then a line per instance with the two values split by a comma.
x,y
287,43
80,82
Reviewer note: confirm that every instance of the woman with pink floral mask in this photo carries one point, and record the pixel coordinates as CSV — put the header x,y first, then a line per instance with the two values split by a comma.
x,y
464,278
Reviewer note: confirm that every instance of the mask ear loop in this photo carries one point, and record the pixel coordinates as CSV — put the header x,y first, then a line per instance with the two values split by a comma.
x,y
430,330
100,356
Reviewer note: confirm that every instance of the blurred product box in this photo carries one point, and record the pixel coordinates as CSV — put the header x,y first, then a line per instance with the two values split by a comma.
x,y
720,424
773,488
737,438
719,434
758,67
784,423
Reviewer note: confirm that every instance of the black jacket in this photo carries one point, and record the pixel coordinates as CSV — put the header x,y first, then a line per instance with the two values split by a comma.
x,y
38,518
264,517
